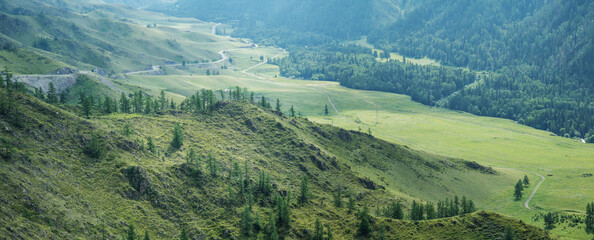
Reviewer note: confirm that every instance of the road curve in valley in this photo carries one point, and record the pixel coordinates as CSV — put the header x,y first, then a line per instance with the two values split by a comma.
x,y
213,30
542,179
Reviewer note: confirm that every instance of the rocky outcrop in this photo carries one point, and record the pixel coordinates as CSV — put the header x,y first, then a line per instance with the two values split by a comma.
x,y
64,71
61,82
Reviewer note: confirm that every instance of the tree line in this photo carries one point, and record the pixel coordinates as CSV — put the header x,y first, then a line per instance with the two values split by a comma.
x,y
531,95
356,67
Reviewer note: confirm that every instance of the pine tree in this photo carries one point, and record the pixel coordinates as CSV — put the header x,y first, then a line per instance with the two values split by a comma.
x,y
430,211
304,191
212,165
471,207
263,184
257,225
272,233
124,104
178,137
589,222
509,233
292,110
151,145
364,226
338,196
94,148
183,235
518,190
319,231
456,209
351,204
86,106
464,205
162,101
246,221
329,235
278,105
416,211
549,220
381,235
526,181
148,105
326,110
263,103
62,97
39,94
283,212
131,234
172,105
127,129
52,95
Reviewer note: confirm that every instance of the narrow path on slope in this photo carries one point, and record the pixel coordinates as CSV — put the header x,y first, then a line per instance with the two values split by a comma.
x,y
221,54
213,30
542,179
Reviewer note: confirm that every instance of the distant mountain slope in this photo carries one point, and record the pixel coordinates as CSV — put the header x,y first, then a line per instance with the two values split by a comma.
x,y
333,18
540,54
56,185
88,36
133,3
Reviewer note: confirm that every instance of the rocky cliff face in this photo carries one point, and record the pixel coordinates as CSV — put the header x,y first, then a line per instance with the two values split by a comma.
x,y
61,82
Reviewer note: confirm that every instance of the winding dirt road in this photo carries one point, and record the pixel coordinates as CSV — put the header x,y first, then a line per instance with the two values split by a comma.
x,y
542,179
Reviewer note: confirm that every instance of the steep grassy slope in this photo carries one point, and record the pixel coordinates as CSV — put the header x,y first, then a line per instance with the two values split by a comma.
x,y
52,189
88,36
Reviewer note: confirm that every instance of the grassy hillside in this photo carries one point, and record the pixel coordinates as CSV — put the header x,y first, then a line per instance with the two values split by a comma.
x,y
53,188
88,36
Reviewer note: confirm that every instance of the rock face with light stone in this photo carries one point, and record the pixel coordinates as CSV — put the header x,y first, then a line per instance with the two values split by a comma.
x,y
61,82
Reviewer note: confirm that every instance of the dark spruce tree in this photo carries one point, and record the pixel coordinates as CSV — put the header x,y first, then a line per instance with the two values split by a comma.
x,y
131,233
178,137
509,233
518,190
589,221
364,225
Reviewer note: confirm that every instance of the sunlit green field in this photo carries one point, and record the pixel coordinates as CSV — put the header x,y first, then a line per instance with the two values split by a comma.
x,y
499,143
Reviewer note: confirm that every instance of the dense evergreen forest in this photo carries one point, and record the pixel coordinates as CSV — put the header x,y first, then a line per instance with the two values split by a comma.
x,y
356,67
540,54
507,93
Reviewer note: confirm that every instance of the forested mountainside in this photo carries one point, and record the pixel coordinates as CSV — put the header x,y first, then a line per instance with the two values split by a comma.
x,y
290,22
540,53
